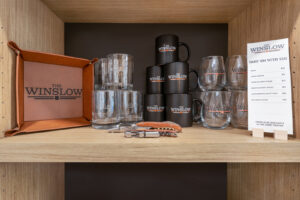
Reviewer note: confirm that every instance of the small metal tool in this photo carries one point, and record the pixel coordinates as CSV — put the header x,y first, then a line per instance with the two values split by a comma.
x,y
144,131
142,134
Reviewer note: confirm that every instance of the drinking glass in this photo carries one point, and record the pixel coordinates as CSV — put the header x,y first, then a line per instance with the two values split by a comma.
x,y
131,106
236,72
100,73
239,105
211,73
106,109
215,112
120,71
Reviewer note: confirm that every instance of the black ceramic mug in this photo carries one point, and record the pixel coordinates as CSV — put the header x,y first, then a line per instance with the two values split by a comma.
x,y
154,107
180,109
176,76
154,80
166,47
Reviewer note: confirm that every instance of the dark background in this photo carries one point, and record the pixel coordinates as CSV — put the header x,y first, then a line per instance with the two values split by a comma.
x,y
172,181
144,181
98,40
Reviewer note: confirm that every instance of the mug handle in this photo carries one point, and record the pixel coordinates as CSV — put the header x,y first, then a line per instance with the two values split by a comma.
x,y
188,51
196,73
196,111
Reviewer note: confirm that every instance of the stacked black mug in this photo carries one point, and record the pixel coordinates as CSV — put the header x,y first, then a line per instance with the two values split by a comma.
x,y
167,95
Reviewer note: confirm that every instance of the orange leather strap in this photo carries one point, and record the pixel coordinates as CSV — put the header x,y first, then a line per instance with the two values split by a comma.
x,y
14,47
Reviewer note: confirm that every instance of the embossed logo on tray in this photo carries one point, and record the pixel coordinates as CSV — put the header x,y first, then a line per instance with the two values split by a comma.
x,y
54,92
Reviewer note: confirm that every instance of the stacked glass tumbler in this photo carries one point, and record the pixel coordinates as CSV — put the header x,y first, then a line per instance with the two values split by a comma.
x,y
237,81
114,100
224,91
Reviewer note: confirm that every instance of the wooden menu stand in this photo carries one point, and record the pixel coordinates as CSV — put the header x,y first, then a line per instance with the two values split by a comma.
x,y
278,135
258,132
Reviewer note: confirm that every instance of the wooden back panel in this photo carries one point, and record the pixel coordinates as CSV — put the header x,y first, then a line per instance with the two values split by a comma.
x,y
270,20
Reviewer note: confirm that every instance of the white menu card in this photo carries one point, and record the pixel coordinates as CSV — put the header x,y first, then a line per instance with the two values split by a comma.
x,y
269,86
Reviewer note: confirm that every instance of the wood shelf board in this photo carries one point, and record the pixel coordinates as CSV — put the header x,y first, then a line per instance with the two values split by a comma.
x,y
196,144
151,11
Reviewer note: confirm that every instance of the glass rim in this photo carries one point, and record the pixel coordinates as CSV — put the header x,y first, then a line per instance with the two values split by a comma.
x,y
208,57
102,59
104,90
235,56
129,90
119,54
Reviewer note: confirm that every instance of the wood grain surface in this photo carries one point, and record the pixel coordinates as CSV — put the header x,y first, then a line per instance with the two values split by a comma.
x,y
196,144
32,181
263,181
270,20
33,26
267,20
150,11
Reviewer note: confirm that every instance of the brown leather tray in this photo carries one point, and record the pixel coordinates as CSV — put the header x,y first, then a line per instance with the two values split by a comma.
x,y
52,91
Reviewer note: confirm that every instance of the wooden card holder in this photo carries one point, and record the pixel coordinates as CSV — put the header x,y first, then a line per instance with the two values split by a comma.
x,y
280,135
258,132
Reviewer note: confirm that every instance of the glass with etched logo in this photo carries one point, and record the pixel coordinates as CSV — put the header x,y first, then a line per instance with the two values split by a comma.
x,y
215,112
131,106
211,73
120,71
236,72
106,109
100,73
239,105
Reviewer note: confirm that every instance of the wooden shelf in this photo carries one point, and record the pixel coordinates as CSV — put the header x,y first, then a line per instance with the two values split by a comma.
x,y
195,144
150,11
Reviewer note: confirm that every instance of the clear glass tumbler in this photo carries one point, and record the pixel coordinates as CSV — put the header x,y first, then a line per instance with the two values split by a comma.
x,y
239,105
106,109
131,106
236,72
211,73
100,73
120,71
215,112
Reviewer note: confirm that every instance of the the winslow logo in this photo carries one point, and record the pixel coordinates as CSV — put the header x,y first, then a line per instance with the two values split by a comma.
x,y
215,73
55,92
267,48
241,108
180,110
155,108
177,77
157,79
239,71
218,110
166,48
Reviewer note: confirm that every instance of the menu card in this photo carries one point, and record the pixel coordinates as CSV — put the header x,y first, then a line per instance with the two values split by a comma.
x,y
269,86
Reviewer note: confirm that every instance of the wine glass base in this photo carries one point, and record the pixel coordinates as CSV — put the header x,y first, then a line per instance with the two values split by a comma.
x,y
105,126
215,127
239,126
